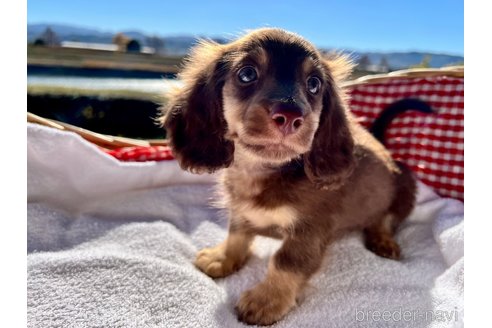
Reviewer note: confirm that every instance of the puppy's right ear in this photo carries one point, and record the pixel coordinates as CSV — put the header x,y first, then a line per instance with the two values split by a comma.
x,y
331,158
193,116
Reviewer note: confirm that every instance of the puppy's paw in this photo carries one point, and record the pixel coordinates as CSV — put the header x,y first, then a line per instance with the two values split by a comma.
x,y
384,246
265,304
215,263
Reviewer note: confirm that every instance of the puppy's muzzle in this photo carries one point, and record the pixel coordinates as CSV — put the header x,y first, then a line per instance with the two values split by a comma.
x,y
287,117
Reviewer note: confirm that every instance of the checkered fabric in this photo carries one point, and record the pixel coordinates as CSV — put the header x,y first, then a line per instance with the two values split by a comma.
x,y
431,144
141,154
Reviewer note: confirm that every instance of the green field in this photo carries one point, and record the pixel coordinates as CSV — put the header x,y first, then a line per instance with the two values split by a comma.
x,y
91,58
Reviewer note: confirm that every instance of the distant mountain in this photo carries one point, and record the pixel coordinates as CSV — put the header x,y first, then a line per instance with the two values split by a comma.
x,y
399,60
69,33
180,45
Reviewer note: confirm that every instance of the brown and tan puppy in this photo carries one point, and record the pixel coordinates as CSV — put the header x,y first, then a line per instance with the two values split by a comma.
x,y
269,110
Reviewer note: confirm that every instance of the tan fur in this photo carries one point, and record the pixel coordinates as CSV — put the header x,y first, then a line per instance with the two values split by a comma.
x,y
282,216
309,187
225,258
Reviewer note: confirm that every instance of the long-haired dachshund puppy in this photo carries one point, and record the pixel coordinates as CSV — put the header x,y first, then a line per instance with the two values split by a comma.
x,y
268,109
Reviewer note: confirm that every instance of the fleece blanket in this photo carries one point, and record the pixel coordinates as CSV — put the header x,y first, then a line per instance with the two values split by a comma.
x,y
111,244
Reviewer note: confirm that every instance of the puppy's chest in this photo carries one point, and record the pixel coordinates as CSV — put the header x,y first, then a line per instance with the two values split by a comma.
x,y
261,206
261,217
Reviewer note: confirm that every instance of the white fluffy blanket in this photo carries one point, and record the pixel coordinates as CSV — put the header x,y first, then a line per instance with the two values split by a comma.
x,y
111,244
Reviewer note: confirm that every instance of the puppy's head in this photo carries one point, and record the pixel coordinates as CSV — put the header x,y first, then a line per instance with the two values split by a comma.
x,y
270,95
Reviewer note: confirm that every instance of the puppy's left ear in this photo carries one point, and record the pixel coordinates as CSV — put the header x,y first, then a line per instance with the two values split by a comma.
x,y
330,160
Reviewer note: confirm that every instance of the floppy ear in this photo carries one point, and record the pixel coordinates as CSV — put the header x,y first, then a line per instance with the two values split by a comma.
x,y
330,160
193,116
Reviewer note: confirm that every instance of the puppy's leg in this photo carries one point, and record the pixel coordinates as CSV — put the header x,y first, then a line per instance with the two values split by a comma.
x,y
288,271
379,238
227,257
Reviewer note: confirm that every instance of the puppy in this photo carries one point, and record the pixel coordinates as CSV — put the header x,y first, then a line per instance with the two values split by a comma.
x,y
268,109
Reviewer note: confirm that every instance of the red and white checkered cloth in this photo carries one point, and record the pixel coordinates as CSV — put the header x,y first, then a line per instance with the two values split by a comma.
x,y
141,154
431,144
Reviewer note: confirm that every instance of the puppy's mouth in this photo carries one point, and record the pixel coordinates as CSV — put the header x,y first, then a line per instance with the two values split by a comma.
x,y
278,147
276,152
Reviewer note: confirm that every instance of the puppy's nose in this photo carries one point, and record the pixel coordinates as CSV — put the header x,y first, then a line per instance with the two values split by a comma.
x,y
287,117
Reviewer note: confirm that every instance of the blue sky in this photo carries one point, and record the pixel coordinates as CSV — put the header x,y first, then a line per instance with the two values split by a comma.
x,y
370,25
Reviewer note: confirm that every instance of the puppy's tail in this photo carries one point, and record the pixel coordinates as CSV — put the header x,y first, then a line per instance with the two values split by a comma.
x,y
389,113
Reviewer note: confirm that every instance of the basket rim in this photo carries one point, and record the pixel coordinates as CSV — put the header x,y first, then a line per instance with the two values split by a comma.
x,y
450,71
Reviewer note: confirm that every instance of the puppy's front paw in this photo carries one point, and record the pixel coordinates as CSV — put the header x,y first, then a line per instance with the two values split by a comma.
x,y
265,304
216,263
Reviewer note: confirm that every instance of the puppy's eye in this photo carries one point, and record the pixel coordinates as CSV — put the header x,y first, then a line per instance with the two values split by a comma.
x,y
247,74
313,85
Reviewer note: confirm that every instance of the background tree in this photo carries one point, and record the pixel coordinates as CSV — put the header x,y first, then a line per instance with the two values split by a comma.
x,y
155,42
425,63
384,65
121,41
39,42
364,62
133,46
50,38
